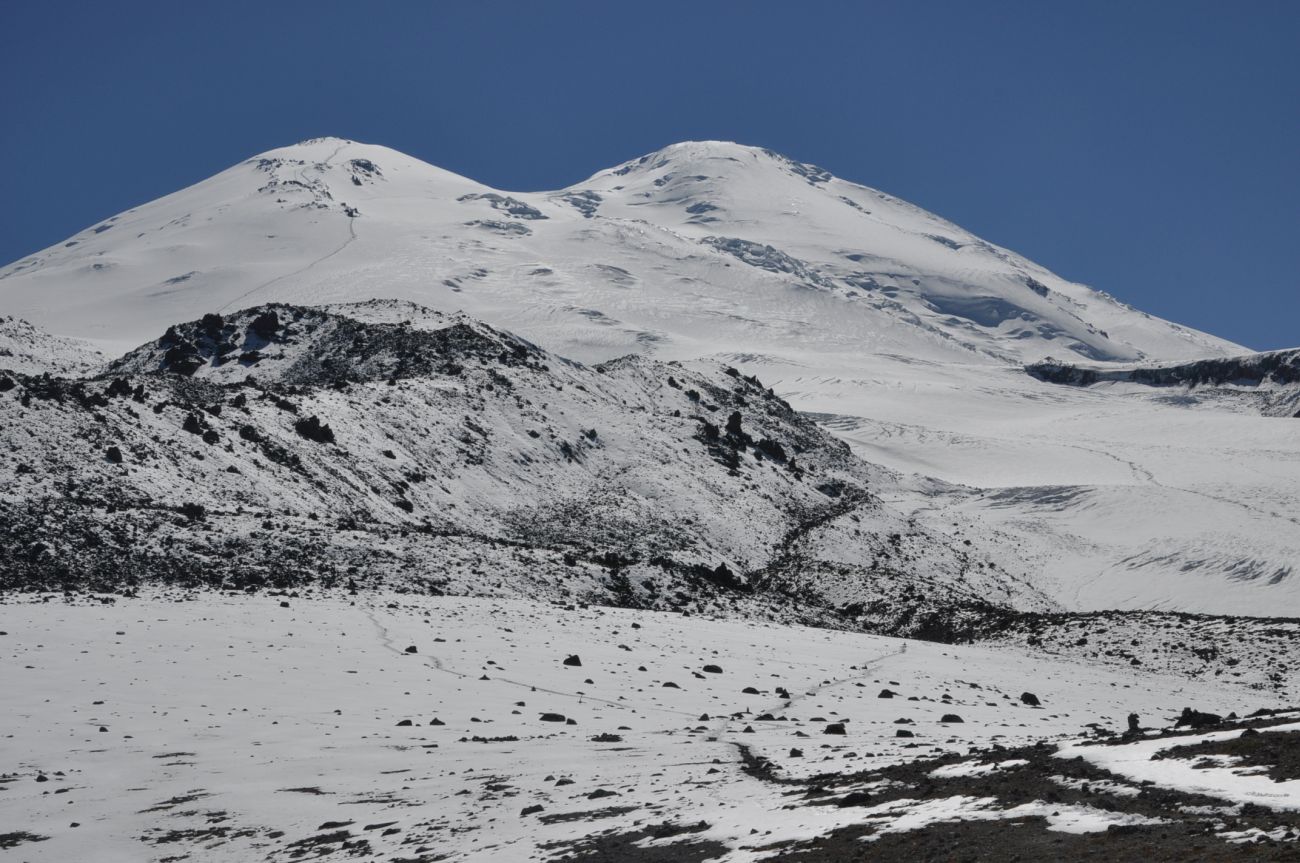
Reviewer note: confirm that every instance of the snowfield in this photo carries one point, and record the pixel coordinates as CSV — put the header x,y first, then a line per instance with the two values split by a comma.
x,y
237,728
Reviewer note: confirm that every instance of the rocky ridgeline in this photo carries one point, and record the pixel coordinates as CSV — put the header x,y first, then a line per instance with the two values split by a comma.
x,y
382,444
1269,381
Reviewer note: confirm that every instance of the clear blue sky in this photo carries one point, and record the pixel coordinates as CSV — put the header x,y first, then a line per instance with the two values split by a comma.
x,y
1151,149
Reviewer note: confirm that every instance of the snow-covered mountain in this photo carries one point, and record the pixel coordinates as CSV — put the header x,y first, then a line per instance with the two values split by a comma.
x,y
352,455
902,334
697,248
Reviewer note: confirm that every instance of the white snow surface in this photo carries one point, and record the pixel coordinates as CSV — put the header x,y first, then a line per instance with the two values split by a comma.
x,y
254,724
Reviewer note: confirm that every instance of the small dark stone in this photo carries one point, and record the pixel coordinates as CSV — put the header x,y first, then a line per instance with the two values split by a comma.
x,y
530,810
405,723
573,661
835,728
951,717
1029,698
412,649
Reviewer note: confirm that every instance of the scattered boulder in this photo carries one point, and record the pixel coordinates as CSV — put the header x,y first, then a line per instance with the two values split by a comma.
x,y
951,717
1029,698
854,798
266,324
313,429
835,728
573,661
1196,719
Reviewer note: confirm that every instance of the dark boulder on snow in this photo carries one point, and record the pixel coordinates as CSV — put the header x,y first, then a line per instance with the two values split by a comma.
x,y
265,325
1029,698
1196,719
314,430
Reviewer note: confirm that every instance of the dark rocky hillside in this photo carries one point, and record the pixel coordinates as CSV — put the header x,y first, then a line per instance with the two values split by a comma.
x,y
384,444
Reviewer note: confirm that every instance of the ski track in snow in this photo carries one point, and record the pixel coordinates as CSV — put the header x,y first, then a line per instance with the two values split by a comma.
x,y
243,299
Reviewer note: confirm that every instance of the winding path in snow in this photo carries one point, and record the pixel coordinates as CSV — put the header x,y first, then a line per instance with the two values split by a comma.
x,y
352,235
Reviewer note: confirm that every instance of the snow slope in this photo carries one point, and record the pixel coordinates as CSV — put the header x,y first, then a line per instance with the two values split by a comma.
x,y
905,335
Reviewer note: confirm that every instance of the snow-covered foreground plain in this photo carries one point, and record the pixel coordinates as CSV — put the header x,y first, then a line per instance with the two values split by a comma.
x,y
261,727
